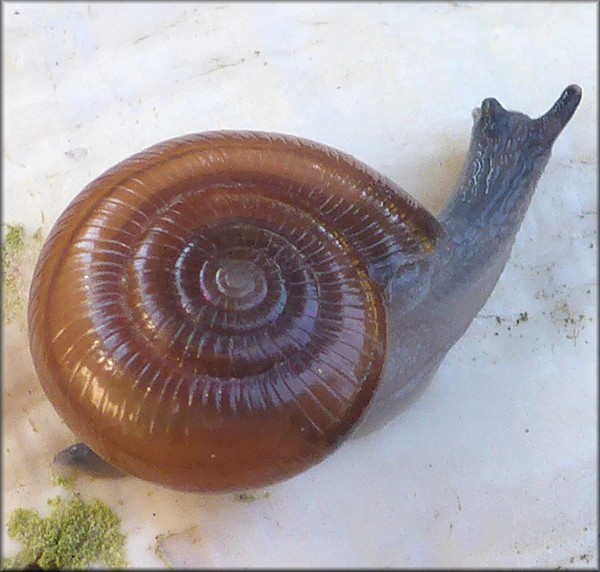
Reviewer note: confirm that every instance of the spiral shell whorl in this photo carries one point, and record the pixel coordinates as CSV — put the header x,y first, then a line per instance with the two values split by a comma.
x,y
212,320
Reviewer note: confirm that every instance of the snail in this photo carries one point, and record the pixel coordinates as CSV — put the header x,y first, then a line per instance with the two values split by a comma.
x,y
220,311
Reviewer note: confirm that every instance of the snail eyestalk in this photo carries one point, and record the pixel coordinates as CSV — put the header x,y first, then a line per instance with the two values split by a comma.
x,y
550,125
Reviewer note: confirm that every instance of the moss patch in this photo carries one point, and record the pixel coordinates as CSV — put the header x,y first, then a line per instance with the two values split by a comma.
x,y
14,238
75,535
67,482
20,250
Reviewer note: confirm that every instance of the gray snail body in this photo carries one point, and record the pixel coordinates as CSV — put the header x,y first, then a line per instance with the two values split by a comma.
x,y
222,310
507,155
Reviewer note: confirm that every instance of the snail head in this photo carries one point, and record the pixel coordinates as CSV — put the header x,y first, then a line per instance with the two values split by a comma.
x,y
514,132
508,153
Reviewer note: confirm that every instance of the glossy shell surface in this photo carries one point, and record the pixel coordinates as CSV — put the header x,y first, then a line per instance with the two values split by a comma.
x,y
208,314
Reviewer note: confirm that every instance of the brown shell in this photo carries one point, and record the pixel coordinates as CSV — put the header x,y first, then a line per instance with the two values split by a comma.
x,y
207,314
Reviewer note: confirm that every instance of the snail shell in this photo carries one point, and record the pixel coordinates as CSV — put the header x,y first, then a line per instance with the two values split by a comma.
x,y
210,313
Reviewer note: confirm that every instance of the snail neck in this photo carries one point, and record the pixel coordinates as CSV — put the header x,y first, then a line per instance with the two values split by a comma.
x,y
507,155
483,217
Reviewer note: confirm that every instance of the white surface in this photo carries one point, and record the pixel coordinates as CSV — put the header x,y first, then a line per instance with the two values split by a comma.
x,y
495,465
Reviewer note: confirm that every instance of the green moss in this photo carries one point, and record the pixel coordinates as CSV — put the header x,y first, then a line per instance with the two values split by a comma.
x,y
66,482
20,250
75,535
14,239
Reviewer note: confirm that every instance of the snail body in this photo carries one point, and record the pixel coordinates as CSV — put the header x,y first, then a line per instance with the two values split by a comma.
x,y
222,310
